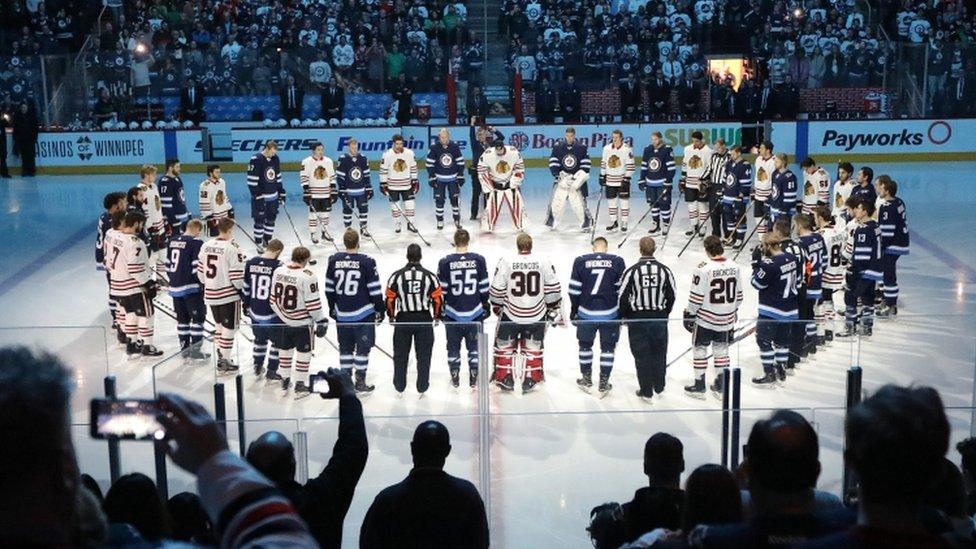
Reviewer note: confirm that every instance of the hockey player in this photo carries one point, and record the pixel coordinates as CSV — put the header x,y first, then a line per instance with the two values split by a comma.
x,y
863,253
791,247
185,289
616,169
816,185
264,183
765,166
355,297
777,278
214,200
713,306
445,174
834,266
173,197
782,193
133,288
569,164
501,172
152,207
464,277
414,300
256,299
398,181
318,180
841,192
711,196
735,197
114,204
894,241
525,294
814,255
865,185
295,300
593,288
657,174
355,189
694,182
220,267
646,300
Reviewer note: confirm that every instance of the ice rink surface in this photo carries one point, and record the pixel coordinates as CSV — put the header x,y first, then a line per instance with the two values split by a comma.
x,y
553,454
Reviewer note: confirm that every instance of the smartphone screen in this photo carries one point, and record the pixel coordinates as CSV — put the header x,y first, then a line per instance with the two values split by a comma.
x,y
132,419
319,384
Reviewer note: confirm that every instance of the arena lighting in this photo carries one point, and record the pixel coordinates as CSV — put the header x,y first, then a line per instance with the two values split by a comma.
x,y
141,48
725,67
798,13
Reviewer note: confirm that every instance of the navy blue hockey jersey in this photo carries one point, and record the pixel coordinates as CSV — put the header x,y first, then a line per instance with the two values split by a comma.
x,y
867,192
738,181
864,250
782,196
464,278
256,293
352,288
893,221
657,166
814,255
264,177
181,266
569,158
352,174
445,163
104,224
594,286
778,281
173,200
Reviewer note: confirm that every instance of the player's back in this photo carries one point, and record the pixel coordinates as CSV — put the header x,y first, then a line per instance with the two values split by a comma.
x,y
295,295
182,265
595,284
353,286
257,288
717,290
464,277
815,254
127,263
777,278
221,264
523,286
833,266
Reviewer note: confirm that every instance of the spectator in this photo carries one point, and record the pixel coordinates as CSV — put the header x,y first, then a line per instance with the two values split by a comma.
x,y
333,100
343,55
188,519
570,100
403,96
291,98
630,99
896,443
394,62
944,508
261,77
689,96
781,467
661,503
323,501
375,62
25,138
104,109
967,453
133,501
191,102
545,103
659,96
319,71
415,70
818,69
429,508
477,103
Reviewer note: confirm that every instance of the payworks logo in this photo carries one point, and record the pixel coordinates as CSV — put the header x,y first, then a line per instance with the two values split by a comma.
x,y
938,133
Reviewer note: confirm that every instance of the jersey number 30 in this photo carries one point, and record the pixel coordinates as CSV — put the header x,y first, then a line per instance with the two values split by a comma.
x,y
526,283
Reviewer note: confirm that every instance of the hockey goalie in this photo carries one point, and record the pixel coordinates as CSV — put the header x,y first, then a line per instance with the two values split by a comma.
x,y
569,164
501,171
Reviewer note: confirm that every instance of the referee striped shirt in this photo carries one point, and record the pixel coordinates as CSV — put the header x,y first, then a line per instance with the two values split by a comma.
x,y
413,289
648,290
716,168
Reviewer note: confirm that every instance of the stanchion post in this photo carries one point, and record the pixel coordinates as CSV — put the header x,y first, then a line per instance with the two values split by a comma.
x,y
736,413
726,400
241,434
220,407
849,481
114,459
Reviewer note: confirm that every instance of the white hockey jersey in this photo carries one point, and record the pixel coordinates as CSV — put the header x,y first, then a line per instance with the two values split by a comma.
x,y
763,185
295,296
694,164
214,201
841,192
834,263
318,176
501,172
220,268
716,294
816,189
617,164
127,263
155,222
524,287
398,169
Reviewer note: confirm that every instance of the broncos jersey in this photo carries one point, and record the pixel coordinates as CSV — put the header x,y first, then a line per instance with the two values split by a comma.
x,y
814,256
594,286
352,174
264,177
318,176
214,202
764,177
220,267
617,164
104,224
505,171
398,170
778,280
782,194
657,166
295,296
716,294
352,288
174,199
834,265
863,250
181,265
695,164
816,189
127,261
894,227
256,292
445,163
524,288
738,181
153,208
569,158
464,277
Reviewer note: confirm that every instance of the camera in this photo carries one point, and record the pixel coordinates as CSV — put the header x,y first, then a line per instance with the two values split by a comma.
x,y
131,419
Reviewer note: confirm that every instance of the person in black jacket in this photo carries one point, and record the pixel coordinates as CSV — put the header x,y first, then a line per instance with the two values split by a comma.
x,y
25,138
481,138
191,101
661,503
545,103
689,95
630,99
570,100
291,96
658,96
430,508
333,100
404,98
323,501
477,105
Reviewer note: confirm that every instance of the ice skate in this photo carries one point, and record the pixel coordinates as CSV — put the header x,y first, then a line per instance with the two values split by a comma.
x,y
696,389
455,378
301,390
605,386
507,383
585,383
150,350
361,386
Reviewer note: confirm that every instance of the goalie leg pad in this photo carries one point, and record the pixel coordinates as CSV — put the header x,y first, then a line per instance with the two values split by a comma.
x,y
559,196
532,343
504,350
578,204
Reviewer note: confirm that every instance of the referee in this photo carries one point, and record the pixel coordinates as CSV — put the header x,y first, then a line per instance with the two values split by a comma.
x,y
716,185
413,300
646,300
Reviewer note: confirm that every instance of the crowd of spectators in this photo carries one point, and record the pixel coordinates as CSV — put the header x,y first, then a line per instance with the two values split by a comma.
x,y
908,494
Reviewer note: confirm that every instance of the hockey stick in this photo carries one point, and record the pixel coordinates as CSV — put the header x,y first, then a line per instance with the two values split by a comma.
x,y
355,212
641,220
698,226
742,218
243,230
396,204
748,332
596,217
325,229
762,220
295,229
676,202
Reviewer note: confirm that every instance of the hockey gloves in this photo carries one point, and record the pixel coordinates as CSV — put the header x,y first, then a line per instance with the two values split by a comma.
x,y
642,185
306,196
689,321
460,180
432,181
281,197
151,288
603,180
369,194
321,328
681,185
384,189
415,186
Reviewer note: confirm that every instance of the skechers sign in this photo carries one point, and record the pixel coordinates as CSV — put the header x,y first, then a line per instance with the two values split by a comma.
x,y
295,144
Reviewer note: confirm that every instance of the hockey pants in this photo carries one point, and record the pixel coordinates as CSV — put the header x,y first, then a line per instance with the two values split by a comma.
x,y
659,198
190,314
719,342
773,339
618,203
457,332
295,345
318,216
263,347
496,198
586,332
889,268
355,342
863,289
265,213
732,212
512,337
